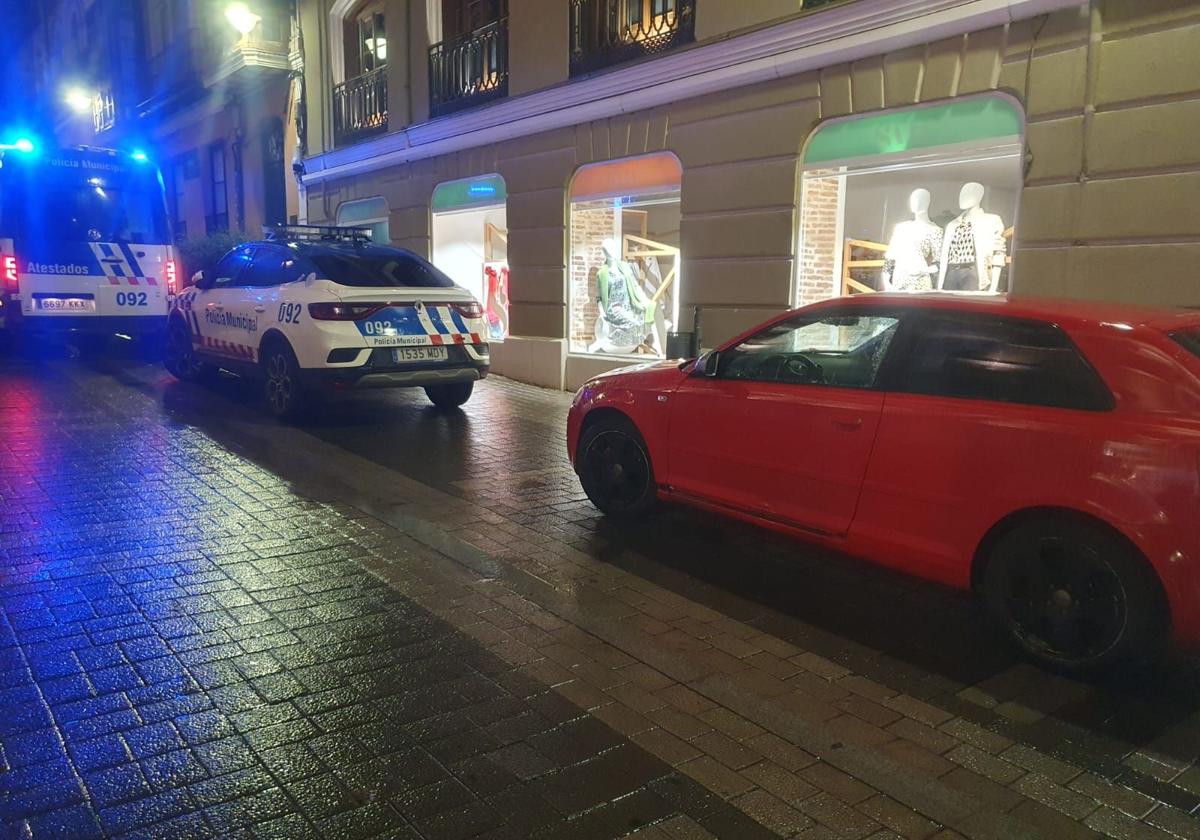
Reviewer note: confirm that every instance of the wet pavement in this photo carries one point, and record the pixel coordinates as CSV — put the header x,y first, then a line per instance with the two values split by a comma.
x,y
390,621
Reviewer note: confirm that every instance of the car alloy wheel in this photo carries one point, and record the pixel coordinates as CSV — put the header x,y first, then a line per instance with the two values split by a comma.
x,y
180,358
1063,601
618,471
281,386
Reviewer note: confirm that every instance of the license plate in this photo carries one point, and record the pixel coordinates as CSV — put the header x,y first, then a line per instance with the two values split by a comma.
x,y
419,354
67,304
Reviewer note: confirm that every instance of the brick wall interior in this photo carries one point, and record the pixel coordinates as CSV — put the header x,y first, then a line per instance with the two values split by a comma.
x,y
591,223
819,244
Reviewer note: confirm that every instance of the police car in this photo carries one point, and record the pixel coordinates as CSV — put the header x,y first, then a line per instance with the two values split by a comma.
x,y
315,309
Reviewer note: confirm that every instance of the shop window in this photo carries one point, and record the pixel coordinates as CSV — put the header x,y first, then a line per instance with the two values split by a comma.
x,y
624,267
911,200
470,243
370,213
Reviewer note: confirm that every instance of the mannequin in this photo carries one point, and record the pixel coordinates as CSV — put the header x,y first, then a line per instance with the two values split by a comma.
x,y
628,315
911,261
973,248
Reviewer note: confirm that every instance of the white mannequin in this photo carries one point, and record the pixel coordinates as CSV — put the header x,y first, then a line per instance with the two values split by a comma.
x,y
914,249
987,241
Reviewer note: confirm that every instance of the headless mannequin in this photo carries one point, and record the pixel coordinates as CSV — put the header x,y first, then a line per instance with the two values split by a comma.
x,y
628,315
973,248
911,261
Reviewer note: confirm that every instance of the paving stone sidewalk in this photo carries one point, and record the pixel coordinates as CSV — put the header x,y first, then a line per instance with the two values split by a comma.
x,y
506,595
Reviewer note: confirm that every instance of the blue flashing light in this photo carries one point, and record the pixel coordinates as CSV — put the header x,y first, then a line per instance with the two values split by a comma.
x,y
24,144
139,156
482,189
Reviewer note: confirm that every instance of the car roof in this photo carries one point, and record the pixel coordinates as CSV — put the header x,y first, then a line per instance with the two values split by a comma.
x,y
309,246
1065,313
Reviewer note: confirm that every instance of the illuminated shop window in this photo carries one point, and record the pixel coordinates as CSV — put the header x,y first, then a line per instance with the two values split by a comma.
x,y
470,243
911,200
624,266
369,213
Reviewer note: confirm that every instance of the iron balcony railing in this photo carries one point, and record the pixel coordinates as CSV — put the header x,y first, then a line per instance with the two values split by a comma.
x,y
469,70
360,107
607,32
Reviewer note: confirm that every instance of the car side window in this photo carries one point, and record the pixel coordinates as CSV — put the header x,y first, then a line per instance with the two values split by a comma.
x,y
229,270
843,350
266,269
983,357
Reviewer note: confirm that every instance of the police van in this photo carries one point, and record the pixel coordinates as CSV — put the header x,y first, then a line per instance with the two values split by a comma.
x,y
314,310
85,244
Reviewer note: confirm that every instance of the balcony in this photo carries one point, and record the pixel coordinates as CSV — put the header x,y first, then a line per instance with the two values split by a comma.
x,y
469,70
608,32
266,48
360,107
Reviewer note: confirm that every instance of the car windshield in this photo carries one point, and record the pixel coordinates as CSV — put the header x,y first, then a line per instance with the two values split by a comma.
x,y
377,267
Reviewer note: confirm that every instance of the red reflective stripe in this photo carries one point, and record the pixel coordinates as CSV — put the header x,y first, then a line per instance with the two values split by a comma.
x,y
133,281
150,281
114,281
435,339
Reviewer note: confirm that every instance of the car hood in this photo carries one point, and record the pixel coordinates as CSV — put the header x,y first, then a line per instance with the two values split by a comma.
x,y
656,374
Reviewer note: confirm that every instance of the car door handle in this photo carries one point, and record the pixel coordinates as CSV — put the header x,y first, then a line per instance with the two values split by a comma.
x,y
260,308
847,424
215,305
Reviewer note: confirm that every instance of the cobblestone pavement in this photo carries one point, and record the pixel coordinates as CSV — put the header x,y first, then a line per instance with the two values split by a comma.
x,y
390,621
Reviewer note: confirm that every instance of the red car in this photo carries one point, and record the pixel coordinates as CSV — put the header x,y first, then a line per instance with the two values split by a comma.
x,y
1044,453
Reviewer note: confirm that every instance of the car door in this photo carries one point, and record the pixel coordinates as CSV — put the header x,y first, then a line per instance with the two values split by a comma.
x,y
254,306
784,426
214,301
983,415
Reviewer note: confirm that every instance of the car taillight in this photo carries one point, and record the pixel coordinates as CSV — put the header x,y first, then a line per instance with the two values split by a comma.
x,y
172,277
468,310
11,285
342,311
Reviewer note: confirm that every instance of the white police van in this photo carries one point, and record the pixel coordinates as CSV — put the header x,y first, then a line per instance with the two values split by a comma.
x,y
315,309
85,244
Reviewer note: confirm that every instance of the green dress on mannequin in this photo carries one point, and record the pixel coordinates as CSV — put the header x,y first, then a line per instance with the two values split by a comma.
x,y
630,315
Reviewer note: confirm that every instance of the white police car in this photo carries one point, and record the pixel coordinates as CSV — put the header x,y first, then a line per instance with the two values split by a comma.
x,y
314,309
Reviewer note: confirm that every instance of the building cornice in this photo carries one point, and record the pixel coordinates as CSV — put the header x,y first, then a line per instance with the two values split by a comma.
x,y
826,37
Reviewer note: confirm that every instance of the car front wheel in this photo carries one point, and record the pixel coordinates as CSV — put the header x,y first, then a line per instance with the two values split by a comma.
x,y
281,386
1074,597
180,356
614,468
450,395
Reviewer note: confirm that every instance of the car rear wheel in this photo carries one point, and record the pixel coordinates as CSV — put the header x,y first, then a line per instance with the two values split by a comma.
x,y
281,385
1074,597
180,355
614,468
450,395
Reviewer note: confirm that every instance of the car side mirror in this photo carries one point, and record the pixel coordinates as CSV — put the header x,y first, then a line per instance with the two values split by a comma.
x,y
706,365
202,279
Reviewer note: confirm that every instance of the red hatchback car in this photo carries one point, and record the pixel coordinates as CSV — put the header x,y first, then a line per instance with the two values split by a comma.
x,y
1044,453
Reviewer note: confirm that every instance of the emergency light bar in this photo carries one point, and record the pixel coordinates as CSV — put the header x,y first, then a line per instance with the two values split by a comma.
x,y
316,233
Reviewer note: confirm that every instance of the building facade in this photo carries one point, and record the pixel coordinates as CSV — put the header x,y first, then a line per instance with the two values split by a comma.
x,y
208,90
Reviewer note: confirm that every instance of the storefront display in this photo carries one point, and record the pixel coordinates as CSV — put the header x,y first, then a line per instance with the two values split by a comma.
x,y
470,243
911,200
370,213
624,272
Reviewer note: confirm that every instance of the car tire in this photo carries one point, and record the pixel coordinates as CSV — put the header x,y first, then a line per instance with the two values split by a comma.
x,y
179,356
1075,597
614,468
282,389
449,395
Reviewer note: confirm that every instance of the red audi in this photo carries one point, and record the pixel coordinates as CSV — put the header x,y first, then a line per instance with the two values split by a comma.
x,y
1043,453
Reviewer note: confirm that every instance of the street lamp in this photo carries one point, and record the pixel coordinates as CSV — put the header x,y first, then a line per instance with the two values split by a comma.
x,y
78,100
241,18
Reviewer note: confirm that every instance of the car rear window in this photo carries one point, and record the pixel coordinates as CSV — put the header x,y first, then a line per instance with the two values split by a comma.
x,y
1189,339
982,357
375,267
